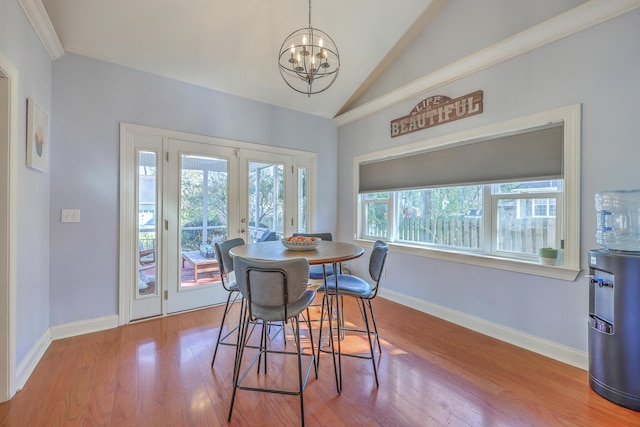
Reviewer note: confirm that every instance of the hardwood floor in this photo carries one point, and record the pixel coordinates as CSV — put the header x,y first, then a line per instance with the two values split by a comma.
x,y
432,373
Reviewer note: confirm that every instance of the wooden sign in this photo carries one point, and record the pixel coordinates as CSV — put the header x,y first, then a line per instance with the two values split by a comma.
x,y
437,110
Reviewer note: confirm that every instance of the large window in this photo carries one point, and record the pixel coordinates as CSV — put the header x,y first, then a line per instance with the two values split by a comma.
x,y
493,195
521,217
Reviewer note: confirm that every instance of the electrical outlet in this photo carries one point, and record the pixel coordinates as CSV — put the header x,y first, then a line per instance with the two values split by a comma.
x,y
70,215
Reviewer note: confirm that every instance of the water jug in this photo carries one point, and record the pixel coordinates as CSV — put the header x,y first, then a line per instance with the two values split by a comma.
x,y
618,222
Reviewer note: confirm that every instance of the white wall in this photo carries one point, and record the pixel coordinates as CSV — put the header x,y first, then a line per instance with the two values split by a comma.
x,y
597,67
90,99
23,48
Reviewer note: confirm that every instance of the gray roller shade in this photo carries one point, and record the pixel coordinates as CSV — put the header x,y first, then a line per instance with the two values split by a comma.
x,y
526,156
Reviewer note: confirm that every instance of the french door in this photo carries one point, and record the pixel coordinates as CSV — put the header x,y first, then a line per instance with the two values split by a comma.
x,y
200,197
267,196
189,194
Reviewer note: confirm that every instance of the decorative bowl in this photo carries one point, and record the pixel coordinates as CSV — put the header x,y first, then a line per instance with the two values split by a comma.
x,y
300,246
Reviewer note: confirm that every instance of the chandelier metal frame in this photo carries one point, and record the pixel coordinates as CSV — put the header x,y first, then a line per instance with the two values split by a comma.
x,y
309,61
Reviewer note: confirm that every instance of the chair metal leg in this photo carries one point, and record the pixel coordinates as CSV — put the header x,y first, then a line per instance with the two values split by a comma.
x,y
241,341
320,341
327,303
366,322
300,382
375,327
266,328
313,350
221,338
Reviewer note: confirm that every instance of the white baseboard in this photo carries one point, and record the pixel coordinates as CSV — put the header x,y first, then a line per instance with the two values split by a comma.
x,y
83,327
550,349
29,363
27,366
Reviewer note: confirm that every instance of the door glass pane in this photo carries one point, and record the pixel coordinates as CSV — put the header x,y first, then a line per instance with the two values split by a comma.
x,y
303,201
266,201
147,235
203,218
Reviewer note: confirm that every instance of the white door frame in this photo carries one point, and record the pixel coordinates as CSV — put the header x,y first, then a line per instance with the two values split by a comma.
x,y
127,254
8,241
248,156
179,298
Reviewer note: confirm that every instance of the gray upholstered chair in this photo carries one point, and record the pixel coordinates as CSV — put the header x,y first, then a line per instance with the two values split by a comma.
x,y
317,272
273,291
225,263
354,286
268,236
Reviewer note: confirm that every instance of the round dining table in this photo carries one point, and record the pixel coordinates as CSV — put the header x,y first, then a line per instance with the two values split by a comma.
x,y
326,252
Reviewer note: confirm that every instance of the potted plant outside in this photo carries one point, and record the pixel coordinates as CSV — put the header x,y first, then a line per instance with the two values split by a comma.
x,y
207,251
548,256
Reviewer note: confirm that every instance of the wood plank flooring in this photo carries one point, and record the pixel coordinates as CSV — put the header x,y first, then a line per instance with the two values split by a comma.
x,y
432,373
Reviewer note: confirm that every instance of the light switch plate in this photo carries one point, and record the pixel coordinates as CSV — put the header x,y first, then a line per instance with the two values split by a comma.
x,y
70,215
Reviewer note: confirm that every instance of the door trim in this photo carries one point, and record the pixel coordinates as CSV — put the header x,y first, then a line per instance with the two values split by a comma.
x,y
8,230
127,253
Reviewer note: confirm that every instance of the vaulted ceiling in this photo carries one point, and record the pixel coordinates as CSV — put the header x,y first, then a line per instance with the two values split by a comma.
x,y
233,46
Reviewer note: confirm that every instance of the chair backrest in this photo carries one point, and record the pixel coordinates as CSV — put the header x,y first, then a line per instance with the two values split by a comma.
x,y
225,262
269,285
328,237
268,236
376,262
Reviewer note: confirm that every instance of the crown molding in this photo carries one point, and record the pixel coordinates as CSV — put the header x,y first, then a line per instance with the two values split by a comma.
x,y
575,20
37,15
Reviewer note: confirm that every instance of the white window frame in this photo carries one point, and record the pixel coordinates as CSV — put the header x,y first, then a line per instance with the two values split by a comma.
x,y
495,198
389,202
570,117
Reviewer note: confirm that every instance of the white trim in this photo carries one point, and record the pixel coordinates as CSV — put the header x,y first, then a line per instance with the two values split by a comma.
x,y
29,363
127,200
547,348
127,223
37,15
570,117
83,327
8,232
31,360
580,18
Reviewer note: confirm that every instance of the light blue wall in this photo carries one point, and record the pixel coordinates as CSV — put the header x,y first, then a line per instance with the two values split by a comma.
x,y
21,46
598,68
90,99
460,29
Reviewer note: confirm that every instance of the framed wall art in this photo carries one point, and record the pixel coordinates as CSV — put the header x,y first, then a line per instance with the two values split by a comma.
x,y
37,136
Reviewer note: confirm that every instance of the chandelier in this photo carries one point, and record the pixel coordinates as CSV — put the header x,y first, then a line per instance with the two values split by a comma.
x,y
309,60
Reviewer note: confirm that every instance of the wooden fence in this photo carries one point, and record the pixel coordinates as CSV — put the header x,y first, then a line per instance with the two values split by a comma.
x,y
522,235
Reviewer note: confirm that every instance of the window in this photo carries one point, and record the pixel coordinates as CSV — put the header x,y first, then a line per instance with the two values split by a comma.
x,y
375,210
490,196
448,217
454,218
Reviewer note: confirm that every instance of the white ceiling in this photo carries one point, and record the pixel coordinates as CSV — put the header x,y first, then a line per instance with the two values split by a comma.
x,y
232,45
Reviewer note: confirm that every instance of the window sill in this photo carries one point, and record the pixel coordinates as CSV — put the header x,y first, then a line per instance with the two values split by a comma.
x,y
556,271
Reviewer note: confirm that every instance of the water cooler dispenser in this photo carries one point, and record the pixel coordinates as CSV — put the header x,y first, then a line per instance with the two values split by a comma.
x,y
614,300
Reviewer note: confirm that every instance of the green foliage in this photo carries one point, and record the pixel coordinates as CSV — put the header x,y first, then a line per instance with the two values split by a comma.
x,y
440,202
192,204
266,209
